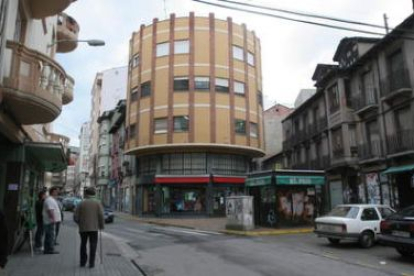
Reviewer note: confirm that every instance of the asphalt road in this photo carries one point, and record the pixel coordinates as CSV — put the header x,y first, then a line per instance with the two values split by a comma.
x,y
173,251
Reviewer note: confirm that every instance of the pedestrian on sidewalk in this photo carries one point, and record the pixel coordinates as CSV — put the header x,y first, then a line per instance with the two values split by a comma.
x,y
90,218
39,221
58,223
51,215
4,242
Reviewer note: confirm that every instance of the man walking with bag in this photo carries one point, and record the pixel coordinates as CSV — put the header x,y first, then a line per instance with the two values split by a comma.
x,y
90,218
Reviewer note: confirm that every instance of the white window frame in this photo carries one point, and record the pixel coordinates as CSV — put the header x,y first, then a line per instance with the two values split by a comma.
x,y
160,125
238,53
181,47
250,59
239,87
202,80
222,82
135,61
254,130
163,49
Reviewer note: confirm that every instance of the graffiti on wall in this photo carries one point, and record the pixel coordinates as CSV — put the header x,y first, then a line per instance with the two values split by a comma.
x,y
295,205
373,188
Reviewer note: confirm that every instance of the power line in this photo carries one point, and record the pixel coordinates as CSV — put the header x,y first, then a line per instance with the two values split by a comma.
x,y
302,21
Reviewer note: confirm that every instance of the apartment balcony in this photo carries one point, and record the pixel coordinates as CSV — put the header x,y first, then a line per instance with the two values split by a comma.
x,y
320,163
338,152
67,33
397,85
57,138
67,96
400,142
44,8
371,150
33,91
365,103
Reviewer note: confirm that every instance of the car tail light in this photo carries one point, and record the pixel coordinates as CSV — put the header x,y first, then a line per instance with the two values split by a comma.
x,y
385,225
343,226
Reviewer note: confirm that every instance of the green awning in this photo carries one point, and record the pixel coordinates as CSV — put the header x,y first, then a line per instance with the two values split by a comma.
x,y
259,181
51,156
399,169
300,180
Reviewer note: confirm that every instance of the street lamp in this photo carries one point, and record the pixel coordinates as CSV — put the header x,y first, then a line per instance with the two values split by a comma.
x,y
91,42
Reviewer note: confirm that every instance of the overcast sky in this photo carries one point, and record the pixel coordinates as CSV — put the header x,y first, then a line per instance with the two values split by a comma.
x,y
290,51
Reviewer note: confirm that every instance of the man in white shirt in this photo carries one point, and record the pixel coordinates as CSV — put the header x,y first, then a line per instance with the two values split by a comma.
x,y
51,216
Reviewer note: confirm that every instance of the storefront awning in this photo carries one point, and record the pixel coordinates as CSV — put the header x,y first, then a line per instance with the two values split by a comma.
x,y
299,180
181,179
399,169
229,179
51,156
259,181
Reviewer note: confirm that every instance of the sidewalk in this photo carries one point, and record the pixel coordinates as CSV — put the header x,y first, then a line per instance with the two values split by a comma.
x,y
67,262
214,224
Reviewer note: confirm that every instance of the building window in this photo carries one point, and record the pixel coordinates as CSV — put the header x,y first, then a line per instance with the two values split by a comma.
x,y
333,95
181,47
163,49
145,89
134,94
202,83
337,143
181,84
250,59
222,85
160,125
238,53
253,130
181,123
402,117
132,130
135,61
260,98
239,88
240,126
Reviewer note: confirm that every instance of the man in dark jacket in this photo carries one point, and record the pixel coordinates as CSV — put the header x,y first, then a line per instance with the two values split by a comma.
x,y
90,218
4,241
39,220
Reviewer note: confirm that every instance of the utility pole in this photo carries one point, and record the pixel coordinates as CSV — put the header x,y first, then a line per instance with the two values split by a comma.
x,y
386,22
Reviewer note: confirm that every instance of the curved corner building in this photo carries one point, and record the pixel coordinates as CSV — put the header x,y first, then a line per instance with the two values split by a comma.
x,y
194,112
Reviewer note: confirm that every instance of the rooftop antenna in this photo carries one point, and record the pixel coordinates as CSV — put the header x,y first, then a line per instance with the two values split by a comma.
x,y
387,30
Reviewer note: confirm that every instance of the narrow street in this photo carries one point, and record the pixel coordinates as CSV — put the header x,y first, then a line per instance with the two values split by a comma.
x,y
178,251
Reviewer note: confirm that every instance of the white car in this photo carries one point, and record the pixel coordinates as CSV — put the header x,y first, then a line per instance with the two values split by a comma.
x,y
353,222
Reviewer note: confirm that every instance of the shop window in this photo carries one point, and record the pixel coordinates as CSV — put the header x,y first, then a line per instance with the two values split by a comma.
x,y
160,125
222,85
146,89
250,59
181,84
238,53
239,88
181,123
240,126
163,49
202,83
181,47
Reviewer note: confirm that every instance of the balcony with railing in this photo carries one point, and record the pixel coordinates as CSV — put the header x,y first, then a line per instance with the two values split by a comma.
x,y
400,142
67,33
369,150
44,8
35,87
365,102
338,152
396,84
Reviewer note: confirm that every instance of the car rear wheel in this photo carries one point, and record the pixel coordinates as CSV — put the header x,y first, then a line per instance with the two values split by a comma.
x,y
366,240
405,252
334,241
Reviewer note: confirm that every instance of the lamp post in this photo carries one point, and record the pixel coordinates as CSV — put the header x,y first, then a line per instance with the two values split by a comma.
x,y
91,42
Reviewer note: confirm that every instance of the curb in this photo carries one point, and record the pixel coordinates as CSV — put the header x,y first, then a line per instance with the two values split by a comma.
x,y
130,217
267,233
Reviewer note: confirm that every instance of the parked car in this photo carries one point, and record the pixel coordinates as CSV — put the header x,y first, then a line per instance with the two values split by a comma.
x,y
398,231
353,222
108,215
68,203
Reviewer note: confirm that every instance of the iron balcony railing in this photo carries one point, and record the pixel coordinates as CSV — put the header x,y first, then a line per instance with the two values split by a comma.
x,y
369,150
396,80
401,141
338,152
361,101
